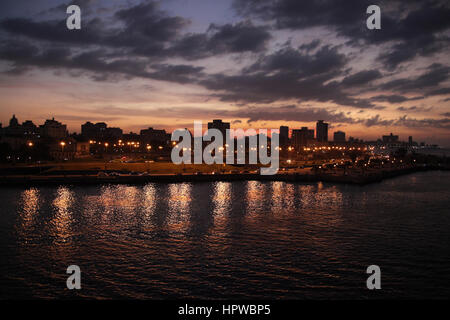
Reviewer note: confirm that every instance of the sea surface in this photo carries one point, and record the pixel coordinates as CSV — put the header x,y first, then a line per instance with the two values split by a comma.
x,y
237,240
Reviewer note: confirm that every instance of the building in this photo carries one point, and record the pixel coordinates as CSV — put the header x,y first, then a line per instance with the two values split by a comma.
x,y
14,129
221,126
390,139
284,136
321,131
113,133
29,129
151,135
301,137
13,123
339,137
90,130
100,131
53,129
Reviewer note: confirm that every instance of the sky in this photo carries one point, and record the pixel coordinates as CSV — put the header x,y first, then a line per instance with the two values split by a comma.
x,y
255,63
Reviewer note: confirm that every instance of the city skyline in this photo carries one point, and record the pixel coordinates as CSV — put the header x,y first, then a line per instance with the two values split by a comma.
x,y
255,64
287,135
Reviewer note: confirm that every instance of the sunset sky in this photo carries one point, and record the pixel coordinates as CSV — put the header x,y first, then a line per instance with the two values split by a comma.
x,y
255,63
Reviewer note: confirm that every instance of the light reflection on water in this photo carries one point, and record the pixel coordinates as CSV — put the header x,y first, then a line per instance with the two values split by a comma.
x,y
228,239
178,207
29,211
221,198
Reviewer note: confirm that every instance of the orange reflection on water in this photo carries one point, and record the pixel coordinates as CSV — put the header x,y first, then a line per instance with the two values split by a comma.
x,y
148,200
62,204
221,202
121,197
255,199
282,197
31,203
178,204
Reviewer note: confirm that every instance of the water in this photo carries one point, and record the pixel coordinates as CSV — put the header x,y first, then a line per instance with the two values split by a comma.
x,y
243,240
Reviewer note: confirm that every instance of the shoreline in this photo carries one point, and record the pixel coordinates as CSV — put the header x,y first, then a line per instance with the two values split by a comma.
x,y
327,177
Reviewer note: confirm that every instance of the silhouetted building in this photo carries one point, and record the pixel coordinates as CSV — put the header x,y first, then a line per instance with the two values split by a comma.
x,y
92,131
221,126
390,139
284,136
53,129
29,129
339,136
100,131
14,129
113,133
300,137
154,135
13,123
321,131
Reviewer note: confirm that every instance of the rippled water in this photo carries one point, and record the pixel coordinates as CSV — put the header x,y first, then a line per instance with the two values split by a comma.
x,y
271,240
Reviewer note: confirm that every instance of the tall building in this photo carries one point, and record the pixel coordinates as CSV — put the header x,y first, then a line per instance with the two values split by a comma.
x,y
339,136
284,136
390,138
321,131
300,137
219,125
53,129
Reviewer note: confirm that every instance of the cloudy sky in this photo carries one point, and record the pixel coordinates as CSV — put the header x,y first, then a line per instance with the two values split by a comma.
x,y
256,63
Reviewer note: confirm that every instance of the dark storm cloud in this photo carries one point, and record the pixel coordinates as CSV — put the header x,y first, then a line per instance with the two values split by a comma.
x,y
361,78
141,24
434,75
147,21
405,51
326,60
241,37
53,31
414,26
293,74
229,38
394,98
437,92
263,88
423,123
377,121
145,30
415,109
404,121
96,62
292,113
176,73
310,46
